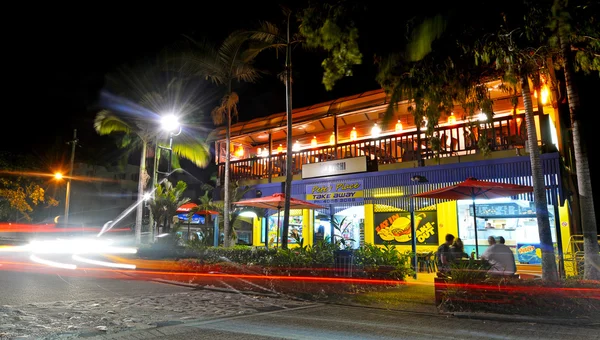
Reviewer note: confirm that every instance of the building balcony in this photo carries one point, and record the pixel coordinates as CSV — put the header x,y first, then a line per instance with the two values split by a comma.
x,y
393,149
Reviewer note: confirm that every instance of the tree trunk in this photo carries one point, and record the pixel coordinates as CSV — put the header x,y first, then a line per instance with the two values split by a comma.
x,y
587,213
154,220
549,271
140,197
227,198
288,164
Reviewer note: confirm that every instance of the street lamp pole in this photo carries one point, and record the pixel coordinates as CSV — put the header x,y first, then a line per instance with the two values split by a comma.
x,y
169,123
68,195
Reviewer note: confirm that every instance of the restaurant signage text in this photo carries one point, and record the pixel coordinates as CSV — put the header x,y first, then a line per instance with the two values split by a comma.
x,y
336,192
335,167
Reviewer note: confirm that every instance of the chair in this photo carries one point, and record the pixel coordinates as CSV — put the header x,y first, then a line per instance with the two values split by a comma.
x,y
432,265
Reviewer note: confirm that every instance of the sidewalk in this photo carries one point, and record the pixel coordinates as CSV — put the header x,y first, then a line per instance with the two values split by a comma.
x,y
415,295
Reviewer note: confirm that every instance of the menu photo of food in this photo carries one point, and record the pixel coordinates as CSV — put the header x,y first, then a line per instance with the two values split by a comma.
x,y
396,227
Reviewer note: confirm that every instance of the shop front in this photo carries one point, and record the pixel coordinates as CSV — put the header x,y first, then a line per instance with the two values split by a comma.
x,y
378,207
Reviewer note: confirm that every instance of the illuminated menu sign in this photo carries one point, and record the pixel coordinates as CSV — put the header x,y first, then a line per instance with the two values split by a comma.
x,y
501,210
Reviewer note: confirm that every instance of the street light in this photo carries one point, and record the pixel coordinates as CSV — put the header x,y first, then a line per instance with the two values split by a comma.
x,y
59,176
169,123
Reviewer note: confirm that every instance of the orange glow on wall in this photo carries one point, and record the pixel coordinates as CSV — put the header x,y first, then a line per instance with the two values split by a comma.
x,y
353,134
313,142
376,130
239,153
332,138
545,94
398,126
452,119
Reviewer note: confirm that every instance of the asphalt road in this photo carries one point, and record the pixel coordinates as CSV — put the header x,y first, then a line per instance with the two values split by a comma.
x,y
357,323
23,282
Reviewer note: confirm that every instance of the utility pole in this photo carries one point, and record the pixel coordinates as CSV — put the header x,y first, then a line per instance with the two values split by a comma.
x,y
289,154
73,145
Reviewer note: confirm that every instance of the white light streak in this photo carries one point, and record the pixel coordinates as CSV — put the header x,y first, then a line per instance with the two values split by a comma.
x,y
52,263
103,263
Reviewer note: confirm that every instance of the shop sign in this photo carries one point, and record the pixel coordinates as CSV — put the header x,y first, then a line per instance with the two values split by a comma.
x,y
196,219
335,167
395,228
349,191
530,253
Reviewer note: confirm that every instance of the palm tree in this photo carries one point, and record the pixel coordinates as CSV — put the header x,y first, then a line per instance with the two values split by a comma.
x,y
584,184
518,50
236,193
269,36
222,65
343,53
137,133
515,54
167,199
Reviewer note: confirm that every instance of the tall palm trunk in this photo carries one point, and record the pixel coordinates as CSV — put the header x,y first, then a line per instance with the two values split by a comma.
x,y
549,272
587,213
288,163
140,196
227,198
153,219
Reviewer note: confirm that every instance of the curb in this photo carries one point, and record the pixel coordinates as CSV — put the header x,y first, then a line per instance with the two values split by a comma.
x,y
525,318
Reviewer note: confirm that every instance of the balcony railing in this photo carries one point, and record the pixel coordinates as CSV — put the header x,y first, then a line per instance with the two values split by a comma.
x,y
465,138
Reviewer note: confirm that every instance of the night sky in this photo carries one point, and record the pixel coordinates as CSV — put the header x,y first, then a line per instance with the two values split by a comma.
x,y
58,59
59,62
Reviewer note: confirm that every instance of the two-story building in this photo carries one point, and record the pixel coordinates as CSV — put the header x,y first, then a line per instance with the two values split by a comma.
x,y
362,171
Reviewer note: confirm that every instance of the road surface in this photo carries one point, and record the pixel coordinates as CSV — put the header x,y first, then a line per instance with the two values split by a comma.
x,y
48,303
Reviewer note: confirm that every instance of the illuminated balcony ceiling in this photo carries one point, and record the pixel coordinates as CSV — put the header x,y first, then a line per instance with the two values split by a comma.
x,y
360,111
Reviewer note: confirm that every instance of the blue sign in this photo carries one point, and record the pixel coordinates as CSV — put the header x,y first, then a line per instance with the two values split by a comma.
x,y
530,253
348,191
196,219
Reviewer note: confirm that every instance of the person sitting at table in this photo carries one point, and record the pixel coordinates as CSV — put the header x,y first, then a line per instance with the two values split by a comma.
x,y
444,255
458,250
500,257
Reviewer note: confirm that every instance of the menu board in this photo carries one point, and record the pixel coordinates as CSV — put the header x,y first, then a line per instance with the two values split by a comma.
x,y
501,210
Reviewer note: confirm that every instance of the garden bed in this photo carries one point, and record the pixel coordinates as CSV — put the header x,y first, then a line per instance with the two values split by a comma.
x,y
566,298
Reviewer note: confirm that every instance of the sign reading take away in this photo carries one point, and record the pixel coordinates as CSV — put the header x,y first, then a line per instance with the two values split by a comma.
x,y
335,192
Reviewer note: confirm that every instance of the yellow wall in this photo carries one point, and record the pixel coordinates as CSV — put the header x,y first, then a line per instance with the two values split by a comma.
x,y
257,231
369,224
565,233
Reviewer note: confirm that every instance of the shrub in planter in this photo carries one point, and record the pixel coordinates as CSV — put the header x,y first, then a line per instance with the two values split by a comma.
x,y
382,262
474,291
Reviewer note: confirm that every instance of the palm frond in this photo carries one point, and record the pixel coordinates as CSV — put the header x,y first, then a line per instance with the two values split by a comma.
x,y
106,123
232,47
266,32
194,151
198,58
228,105
245,72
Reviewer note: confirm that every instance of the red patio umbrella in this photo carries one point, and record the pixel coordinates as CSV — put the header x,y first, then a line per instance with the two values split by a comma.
x,y
473,188
189,206
186,208
276,201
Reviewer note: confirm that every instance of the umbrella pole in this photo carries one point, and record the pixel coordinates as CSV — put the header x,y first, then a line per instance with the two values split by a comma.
x,y
278,211
475,226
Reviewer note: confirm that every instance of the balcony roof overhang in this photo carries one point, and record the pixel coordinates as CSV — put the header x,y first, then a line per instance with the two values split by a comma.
x,y
360,110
